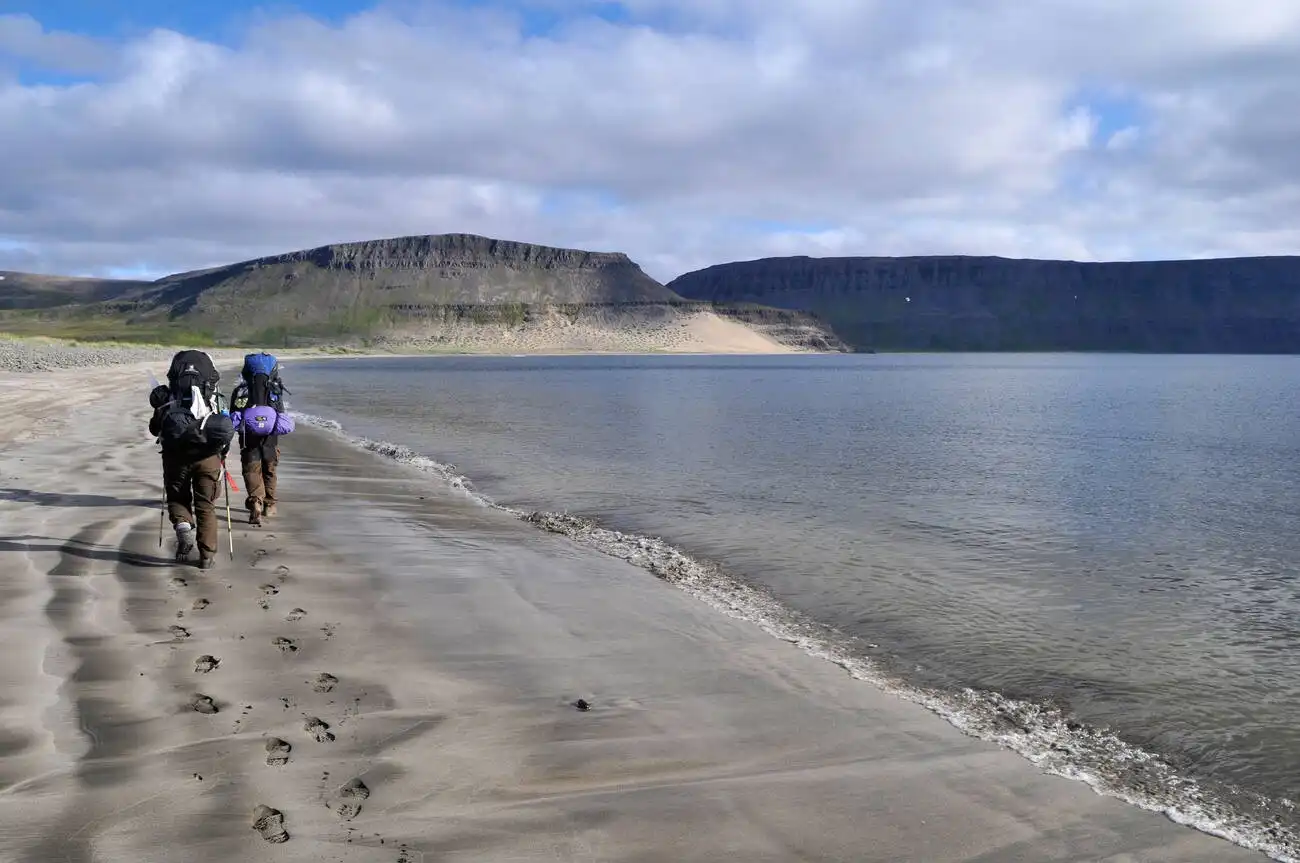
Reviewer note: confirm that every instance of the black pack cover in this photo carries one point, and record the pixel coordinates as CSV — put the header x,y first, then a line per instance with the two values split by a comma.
x,y
191,369
180,432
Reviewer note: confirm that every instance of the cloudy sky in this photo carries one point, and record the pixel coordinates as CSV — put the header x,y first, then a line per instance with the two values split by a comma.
x,y
683,132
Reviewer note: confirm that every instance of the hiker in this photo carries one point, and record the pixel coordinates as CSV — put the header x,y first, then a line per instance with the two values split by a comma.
x,y
195,431
259,415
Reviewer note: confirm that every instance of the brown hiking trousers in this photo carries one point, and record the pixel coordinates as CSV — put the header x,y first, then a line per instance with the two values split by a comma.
x,y
192,489
259,463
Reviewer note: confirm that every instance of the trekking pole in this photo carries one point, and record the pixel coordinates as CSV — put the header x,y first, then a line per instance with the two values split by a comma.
x,y
162,514
230,528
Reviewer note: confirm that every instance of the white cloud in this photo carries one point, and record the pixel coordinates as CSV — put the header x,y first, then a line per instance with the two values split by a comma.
x,y
23,38
936,126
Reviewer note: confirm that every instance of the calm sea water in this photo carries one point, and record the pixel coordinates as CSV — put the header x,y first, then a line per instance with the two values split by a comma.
x,y
1116,535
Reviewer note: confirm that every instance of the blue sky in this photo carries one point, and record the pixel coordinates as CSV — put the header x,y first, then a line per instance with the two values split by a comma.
x,y
690,133
207,20
224,22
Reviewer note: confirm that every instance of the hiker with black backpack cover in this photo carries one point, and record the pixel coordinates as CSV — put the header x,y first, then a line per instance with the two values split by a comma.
x,y
195,431
260,414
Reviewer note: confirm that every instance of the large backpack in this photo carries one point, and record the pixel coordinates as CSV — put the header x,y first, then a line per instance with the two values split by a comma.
x,y
260,396
191,422
191,369
261,374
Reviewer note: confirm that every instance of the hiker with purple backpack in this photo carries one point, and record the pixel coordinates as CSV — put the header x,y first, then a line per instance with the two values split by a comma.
x,y
259,414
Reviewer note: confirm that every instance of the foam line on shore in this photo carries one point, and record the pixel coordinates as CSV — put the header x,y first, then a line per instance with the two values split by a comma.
x,y
1043,734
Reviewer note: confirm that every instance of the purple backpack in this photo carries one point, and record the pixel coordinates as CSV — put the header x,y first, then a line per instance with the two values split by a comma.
x,y
265,420
259,399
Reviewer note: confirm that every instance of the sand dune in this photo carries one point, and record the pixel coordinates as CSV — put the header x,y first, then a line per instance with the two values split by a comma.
x,y
662,331
389,673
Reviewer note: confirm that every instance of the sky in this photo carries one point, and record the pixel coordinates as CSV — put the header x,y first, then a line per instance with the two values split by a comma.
x,y
167,136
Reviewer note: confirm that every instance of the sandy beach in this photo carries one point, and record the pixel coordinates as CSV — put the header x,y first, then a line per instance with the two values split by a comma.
x,y
388,672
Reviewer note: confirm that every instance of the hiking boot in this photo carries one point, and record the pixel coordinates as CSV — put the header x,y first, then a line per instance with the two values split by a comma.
x,y
207,561
268,511
255,514
184,541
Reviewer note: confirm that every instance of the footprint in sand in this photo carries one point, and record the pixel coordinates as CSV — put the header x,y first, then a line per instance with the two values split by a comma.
x,y
179,633
347,804
269,824
269,589
205,663
318,729
176,583
324,682
282,573
203,704
258,555
296,614
277,752
200,604
286,645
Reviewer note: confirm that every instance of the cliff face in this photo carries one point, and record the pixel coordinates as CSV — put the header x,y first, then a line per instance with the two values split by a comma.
x,y
1230,305
452,251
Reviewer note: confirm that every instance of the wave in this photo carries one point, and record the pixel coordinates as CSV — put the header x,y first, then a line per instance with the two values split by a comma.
x,y
1043,734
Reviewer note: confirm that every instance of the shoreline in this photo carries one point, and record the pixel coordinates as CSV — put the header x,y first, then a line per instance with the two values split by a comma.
x,y
32,355
1052,741
457,639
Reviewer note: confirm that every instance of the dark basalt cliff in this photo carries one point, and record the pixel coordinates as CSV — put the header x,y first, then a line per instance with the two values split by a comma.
x,y
453,255
1229,305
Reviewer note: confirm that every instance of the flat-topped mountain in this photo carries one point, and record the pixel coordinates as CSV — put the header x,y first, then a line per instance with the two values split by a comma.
x,y
1227,305
352,281
427,288
447,269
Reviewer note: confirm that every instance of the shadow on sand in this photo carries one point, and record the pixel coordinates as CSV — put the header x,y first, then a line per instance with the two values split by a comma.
x,y
48,498
89,551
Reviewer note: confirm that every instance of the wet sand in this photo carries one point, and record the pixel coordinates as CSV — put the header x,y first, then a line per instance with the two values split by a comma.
x,y
389,672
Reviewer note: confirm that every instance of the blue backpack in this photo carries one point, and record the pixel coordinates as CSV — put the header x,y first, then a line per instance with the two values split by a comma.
x,y
261,384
